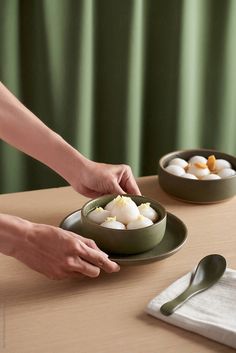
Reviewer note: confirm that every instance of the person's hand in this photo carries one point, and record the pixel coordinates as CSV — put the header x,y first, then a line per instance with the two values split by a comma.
x,y
54,252
96,179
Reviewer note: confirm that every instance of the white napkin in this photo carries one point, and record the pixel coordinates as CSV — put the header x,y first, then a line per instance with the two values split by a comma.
x,y
211,313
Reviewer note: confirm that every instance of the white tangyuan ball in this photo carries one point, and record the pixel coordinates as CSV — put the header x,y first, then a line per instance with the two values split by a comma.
x,y
179,161
147,211
199,170
175,170
110,204
125,209
211,177
189,176
226,173
112,223
98,215
222,164
139,222
197,159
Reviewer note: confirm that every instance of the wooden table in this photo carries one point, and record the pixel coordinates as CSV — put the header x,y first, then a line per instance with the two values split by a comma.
x,y
105,314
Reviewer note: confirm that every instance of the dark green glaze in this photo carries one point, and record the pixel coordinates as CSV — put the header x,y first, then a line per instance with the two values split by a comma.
x,y
209,270
174,238
197,191
124,242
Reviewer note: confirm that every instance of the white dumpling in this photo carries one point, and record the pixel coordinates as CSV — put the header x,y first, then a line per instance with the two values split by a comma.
x,y
198,169
147,211
226,173
125,210
189,176
139,222
197,159
179,161
112,223
98,215
211,177
175,170
221,164
110,204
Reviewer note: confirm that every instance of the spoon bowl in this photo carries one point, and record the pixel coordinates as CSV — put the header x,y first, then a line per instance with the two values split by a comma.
x,y
209,270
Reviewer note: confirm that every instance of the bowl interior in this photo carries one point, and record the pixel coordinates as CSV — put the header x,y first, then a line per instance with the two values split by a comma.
x,y
104,200
187,154
125,241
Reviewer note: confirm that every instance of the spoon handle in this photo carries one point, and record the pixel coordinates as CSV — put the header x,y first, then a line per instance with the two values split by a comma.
x,y
169,307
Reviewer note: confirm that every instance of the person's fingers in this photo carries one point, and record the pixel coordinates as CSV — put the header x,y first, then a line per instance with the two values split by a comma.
x,y
97,258
128,182
77,264
110,187
91,243
116,188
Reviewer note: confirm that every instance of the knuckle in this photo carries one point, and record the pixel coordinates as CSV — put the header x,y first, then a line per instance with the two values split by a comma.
x,y
126,167
69,262
91,243
101,262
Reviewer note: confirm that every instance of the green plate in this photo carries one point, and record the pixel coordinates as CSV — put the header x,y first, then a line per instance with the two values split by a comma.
x,y
173,240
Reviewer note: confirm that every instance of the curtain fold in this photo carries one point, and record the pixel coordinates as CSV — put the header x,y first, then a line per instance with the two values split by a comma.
x,y
227,123
123,81
193,53
133,128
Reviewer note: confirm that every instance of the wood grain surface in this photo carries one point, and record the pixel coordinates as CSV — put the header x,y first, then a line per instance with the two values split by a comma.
x,y
106,314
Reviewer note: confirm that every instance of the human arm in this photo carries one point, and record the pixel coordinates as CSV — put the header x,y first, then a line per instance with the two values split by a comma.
x,y
22,129
52,251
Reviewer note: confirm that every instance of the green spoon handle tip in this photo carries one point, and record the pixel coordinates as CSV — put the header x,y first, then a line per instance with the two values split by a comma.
x,y
169,307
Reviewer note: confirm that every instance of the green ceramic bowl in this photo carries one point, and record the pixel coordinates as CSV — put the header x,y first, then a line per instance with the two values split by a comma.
x,y
197,191
124,242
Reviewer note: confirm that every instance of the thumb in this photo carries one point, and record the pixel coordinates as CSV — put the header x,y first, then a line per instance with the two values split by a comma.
x,y
117,189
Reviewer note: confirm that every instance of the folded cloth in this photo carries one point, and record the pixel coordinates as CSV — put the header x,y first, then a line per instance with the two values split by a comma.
x,y
211,313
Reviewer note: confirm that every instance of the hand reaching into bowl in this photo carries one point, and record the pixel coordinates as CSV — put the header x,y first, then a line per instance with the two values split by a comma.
x,y
52,251
97,179
23,130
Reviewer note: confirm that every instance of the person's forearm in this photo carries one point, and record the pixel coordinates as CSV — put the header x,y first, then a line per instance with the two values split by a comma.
x,y
22,129
13,231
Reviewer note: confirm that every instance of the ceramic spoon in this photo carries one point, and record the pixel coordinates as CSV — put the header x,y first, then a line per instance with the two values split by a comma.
x,y
208,272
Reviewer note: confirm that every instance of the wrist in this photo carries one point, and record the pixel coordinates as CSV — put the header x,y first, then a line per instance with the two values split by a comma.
x,y
75,168
66,160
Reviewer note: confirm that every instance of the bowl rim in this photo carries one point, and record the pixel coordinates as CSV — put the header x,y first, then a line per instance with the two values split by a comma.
x,y
98,226
164,157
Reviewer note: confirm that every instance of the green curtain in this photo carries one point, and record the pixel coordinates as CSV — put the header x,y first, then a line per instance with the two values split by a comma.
x,y
124,81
